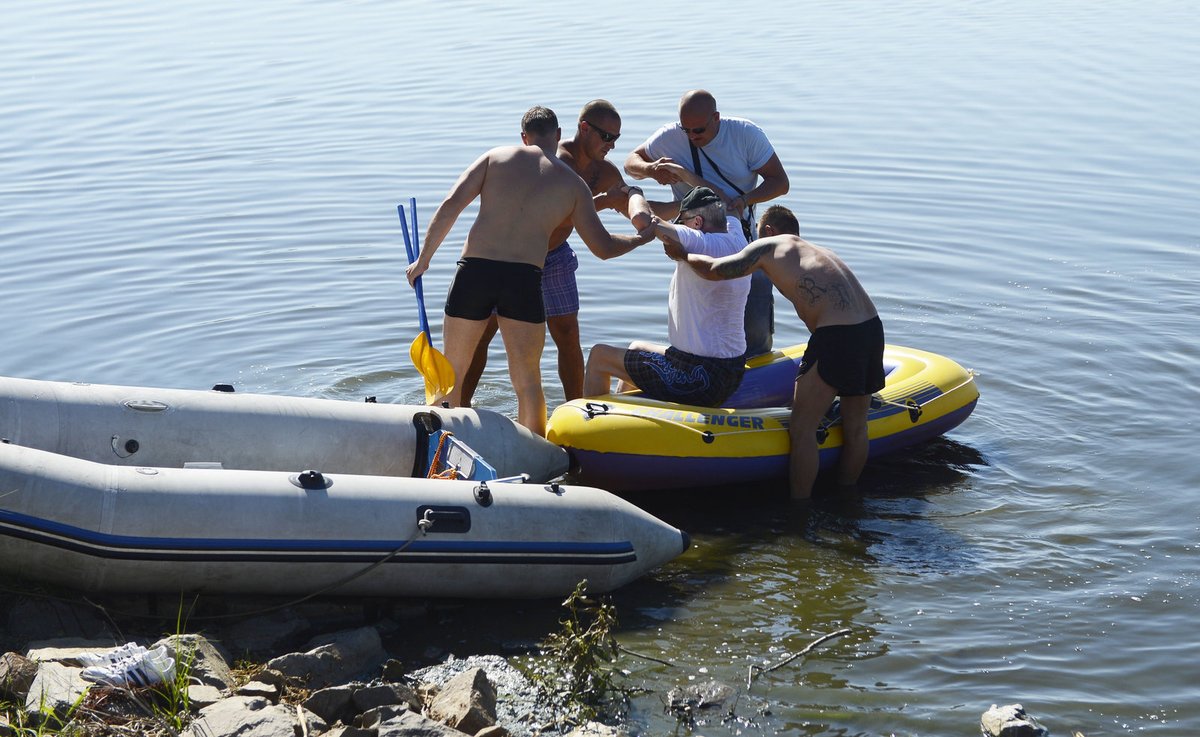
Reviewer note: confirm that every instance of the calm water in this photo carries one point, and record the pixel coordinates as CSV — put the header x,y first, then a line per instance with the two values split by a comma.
x,y
203,192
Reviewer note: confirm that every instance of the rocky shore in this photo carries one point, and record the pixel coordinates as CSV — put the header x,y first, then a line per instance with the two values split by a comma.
x,y
312,670
317,669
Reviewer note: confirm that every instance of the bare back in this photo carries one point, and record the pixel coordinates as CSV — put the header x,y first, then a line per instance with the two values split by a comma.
x,y
525,197
817,282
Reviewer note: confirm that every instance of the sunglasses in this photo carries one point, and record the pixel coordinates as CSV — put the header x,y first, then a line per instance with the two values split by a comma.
x,y
604,135
697,131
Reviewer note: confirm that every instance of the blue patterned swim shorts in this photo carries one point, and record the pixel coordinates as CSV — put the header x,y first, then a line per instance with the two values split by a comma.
x,y
560,293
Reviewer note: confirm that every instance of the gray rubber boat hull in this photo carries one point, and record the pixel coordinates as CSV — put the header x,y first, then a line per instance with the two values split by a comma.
x,y
104,527
140,426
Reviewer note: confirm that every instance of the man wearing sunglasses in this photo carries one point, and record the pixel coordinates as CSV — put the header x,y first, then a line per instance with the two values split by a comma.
x,y
734,157
597,132
525,193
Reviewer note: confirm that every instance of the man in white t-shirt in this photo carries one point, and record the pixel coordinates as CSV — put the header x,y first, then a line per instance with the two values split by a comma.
x,y
730,155
705,361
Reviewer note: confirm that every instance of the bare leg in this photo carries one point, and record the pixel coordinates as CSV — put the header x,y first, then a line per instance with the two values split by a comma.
x,y
855,442
809,404
564,329
604,362
470,380
524,341
461,338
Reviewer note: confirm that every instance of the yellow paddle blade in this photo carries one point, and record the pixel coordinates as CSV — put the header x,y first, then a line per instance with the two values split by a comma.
x,y
434,367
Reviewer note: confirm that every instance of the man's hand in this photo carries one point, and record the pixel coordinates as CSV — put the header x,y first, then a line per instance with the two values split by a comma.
x,y
665,170
736,205
413,271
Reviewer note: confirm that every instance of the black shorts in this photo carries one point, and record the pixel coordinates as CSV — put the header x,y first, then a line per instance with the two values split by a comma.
x,y
848,357
682,377
512,289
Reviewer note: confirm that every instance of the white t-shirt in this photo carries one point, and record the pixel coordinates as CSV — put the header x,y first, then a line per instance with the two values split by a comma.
x,y
738,149
706,318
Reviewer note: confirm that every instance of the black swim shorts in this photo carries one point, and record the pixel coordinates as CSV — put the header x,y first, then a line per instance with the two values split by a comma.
x,y
480,285
682,377
848,357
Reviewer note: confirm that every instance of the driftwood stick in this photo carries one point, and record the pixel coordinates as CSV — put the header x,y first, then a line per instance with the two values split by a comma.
x,y
627,651
807,649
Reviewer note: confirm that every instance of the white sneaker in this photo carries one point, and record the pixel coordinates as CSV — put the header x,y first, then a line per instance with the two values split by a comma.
x,y
115,655
143,669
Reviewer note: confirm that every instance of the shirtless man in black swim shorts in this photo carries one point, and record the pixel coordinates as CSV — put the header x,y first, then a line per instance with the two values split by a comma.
x,y
596,134
524,192
846,347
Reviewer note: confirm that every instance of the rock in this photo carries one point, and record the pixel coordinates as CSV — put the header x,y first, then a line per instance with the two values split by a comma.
x,y
264,634
268,691
201,695
467,703
596,729
411,724
199,658
493,731
393,670
55,690
372,718
351,732
1010,721
385,694
338,658
16,676
6,729
273,677
250,716
517,706
33,619
331,704
66,650
707,695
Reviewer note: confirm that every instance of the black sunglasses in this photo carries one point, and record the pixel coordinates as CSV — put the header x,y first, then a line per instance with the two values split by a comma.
x,y
604,135
697,131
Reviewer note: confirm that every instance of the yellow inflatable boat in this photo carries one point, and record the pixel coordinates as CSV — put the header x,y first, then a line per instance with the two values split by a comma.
x,y
627,442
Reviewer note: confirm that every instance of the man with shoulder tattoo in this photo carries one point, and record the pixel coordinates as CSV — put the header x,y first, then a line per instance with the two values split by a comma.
x,y
845,349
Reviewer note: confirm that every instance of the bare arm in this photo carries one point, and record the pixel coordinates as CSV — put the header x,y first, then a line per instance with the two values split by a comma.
x,y
625,199
464,191
668,233
731,267
774,184
639,165
598,240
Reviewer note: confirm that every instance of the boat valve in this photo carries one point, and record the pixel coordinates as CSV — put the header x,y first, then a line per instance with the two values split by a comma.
x,y
483,495
125,448
311,480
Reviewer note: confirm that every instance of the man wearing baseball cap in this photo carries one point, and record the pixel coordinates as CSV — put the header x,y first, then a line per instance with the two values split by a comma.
x,y
704,362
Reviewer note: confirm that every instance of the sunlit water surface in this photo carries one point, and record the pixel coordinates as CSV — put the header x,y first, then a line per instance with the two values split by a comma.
x,y
202,192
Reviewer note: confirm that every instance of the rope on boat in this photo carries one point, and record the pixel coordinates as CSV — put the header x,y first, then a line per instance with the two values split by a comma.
x,y
439,456
590,409
910,405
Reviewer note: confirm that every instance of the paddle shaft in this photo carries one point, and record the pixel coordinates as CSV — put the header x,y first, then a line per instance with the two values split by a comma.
x,y
412,246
